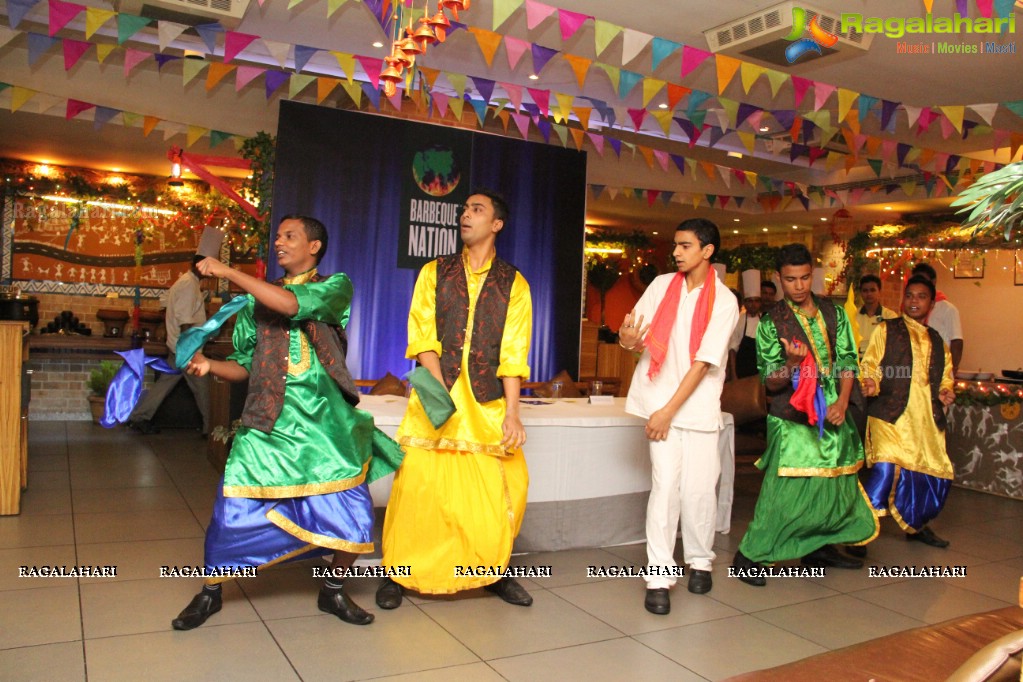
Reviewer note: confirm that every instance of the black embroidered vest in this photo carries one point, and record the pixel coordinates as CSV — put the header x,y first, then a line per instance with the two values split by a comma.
x,y
896,368
487,328
269,369
789,328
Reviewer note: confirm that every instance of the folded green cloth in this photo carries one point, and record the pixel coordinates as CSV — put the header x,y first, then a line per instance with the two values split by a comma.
x,y
433,395
193,338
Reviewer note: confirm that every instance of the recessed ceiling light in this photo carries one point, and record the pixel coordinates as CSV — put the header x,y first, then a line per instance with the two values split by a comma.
x,y
824,220
662,105
764,129
655,232
735,155
735,220
887,208
378,44
533,77
765,229
795,227
735,232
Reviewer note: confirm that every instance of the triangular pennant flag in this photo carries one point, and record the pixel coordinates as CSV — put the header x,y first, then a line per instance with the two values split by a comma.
x,y
691,58
372,66
514,94
544,126
235,42
616,145
278,50
777,79
133,58
216,73
73,51
514,49
748,140
457,81
395,100
749,73
663,117
542,100
570,22
245,75
346,62
7,35
38,45
726,68
946,127
148,124
628,82
563,108
161,59
562,133
274,80
598,142
633,43
19,96
61,13
488,42
217,136
648,156
190,68
651,86
603,33
354,90
954,115
195,133
901,150
614,74
167,32
332,6
522,123
128,25
103,116
577,136
875,164
303,53
131,120
912,114
866,103
651,196
637,116
209,33
95,17
887,112
580,66
536,12
661,50
456,104
799,88
675,95
324,86
541,55
845,102
504,9
662,159
75,107
730,108
485,86
986,111
17,9
697,118
372,94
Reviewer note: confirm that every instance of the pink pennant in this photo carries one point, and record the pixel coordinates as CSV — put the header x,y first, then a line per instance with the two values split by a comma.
x,y
61,13
441,102
821,92
514,48
522,123
234,43
799,88
75,107
946,127
514,94
133,58
637,116
542,99
73,51
598,142
651,196
985,7
536,12
691,58
372,67
662,158
888,149
570,22
244,75
395,99
925,120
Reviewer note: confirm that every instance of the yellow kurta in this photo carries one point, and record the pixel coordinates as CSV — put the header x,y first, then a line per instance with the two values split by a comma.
x,y
913,441
459,497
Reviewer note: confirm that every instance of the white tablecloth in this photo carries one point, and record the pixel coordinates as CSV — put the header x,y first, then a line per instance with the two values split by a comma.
x,y
589,472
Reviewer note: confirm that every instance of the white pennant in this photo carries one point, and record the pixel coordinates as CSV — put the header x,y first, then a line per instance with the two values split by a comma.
x,y
278,51
168,32
44,102
6,35
986,111
912,114
722,117
171,129
633,43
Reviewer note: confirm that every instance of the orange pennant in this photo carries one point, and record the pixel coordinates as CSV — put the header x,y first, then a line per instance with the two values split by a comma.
x,y
580,66
488,42
726,67
148,124
216,73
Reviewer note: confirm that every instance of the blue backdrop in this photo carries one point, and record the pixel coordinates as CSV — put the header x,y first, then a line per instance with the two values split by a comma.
x,y
342,167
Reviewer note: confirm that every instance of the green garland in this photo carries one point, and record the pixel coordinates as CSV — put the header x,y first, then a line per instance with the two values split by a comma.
x,y
974,397
260,150
741,258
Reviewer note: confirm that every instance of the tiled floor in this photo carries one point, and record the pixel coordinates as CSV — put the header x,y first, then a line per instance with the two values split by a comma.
x,y
138,502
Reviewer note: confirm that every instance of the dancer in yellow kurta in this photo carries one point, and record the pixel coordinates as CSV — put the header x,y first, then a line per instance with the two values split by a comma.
x,y
457,501
908,368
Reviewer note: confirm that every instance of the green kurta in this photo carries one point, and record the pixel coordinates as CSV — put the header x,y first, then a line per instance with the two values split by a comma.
x,y
811,496
319,443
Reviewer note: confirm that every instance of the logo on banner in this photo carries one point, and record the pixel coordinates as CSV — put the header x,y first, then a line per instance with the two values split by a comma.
x,y
802,44
436,170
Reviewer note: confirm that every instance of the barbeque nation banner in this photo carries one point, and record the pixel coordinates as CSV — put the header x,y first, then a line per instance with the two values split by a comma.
x,y
435,185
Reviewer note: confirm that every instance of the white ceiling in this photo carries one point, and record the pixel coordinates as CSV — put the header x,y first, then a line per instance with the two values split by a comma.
x,y
928,80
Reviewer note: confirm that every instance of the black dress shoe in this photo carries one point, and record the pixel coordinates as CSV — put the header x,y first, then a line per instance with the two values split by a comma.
x,y
928,537
144,426
389,594
744,565
202,606
657,601
858,551
334,600
509,590
830,557
700,581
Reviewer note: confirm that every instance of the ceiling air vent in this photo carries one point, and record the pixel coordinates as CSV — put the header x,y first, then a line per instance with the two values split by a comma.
x,y
228,13
761,36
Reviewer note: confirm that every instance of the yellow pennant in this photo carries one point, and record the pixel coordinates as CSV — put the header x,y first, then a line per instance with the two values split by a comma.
x,y
103,51
195,133
19,96
95,17
726,68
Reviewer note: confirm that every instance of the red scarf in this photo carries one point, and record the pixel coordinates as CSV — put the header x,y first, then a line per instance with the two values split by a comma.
x,y
664,320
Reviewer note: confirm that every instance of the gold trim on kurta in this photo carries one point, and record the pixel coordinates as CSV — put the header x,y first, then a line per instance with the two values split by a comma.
x,y
873,512
821,472
273,492
304,360
282,558
452,444
891,503
302,278
287,525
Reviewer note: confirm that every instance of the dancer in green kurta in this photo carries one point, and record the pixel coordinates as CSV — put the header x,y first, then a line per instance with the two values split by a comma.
x,y
811,497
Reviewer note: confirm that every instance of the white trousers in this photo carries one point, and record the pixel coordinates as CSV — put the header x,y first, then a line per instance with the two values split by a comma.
x,y
685,471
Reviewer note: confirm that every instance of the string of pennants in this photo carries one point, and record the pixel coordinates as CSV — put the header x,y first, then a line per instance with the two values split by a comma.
x,y
800,125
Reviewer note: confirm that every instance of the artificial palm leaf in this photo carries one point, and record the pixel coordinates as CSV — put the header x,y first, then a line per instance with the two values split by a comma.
x,y
995,202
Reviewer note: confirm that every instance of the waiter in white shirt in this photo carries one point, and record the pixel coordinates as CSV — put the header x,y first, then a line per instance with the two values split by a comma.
x,y
742,350
944,317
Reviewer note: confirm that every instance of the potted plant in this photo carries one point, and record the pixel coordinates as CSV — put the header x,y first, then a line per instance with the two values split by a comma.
x,y
99,381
